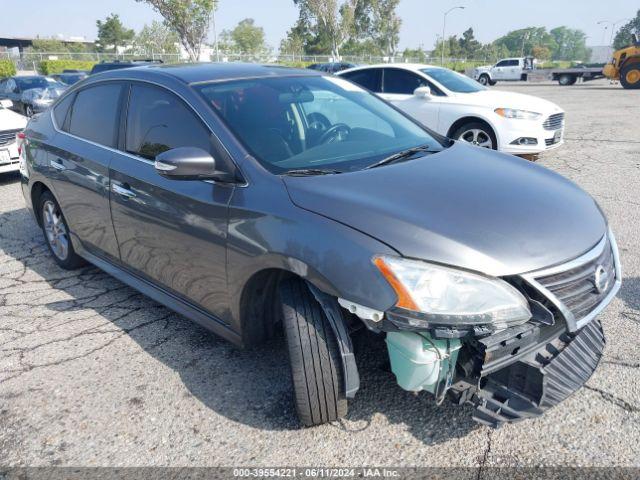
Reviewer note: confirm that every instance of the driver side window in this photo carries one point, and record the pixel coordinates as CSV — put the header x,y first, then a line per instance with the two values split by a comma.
x,y
502,63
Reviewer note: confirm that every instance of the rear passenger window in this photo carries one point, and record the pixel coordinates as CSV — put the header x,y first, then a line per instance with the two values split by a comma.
x,y
369,79
401,82
158,121
61,109
94,115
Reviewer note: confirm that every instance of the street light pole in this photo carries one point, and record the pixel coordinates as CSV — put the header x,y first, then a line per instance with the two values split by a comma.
x,y
604,32
444,26
215,33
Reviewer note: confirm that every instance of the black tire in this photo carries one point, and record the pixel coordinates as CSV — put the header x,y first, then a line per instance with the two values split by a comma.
x,y
630,76
314,356
28,111
70,260
492,82
566,80
488,131
484,79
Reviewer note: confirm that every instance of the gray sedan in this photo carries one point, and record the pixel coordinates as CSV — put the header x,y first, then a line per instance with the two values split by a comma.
x,y
260,201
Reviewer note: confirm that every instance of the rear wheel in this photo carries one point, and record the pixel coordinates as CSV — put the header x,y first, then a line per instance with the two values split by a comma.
x,y
28,111
314,356
56,233
566,80
478,134
630,75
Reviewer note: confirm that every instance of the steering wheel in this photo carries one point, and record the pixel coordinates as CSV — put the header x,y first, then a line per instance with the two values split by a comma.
x,y
337,132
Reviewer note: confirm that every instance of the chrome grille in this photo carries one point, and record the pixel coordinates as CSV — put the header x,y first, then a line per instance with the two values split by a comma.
x,y
8,137
582,287
554,122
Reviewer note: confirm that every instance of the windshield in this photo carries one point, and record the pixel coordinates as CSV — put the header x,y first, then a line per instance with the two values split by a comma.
x,y
453,81
293,123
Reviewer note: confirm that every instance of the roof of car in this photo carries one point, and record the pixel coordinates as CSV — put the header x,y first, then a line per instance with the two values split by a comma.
x,y
211,72
404,66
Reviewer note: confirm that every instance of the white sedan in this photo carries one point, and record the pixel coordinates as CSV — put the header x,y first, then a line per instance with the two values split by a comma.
x,y
11,124
460,108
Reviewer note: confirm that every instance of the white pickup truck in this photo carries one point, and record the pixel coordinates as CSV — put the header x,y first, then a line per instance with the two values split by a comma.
x,y
507,69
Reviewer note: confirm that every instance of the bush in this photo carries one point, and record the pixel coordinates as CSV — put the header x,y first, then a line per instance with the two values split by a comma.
x,y
48,67
295,64
7,68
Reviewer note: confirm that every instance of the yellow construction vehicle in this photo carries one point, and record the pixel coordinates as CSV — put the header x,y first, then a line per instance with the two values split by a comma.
x,y
625,65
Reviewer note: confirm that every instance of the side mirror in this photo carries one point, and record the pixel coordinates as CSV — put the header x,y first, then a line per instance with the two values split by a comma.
x,y
6,103
423,92
186,163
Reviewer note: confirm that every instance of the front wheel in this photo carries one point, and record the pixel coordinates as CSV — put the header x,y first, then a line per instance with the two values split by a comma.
x,y
28,111
56,233
484,79
630,76
477,134
314,356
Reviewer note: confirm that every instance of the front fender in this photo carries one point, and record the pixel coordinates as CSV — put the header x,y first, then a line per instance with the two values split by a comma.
x,y
278,235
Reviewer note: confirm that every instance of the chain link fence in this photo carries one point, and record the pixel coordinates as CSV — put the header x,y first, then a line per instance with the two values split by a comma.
x,y
29,61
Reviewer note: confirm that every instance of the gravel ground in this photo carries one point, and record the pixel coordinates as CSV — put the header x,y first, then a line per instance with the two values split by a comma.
x,y
94,374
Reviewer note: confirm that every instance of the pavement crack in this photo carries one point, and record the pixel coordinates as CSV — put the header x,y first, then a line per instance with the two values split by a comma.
x,y
619,402
485,455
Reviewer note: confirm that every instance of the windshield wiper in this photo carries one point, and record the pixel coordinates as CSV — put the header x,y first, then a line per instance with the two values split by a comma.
x,y
308,172
402,155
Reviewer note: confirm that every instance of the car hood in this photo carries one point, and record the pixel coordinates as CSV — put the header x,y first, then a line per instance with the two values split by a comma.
x,y
10,120
465,206
500,99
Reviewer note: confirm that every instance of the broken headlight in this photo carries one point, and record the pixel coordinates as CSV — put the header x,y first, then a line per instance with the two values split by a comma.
x,y
447,296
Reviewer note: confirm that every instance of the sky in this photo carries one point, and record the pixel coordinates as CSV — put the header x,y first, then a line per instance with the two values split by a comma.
x,y
421,19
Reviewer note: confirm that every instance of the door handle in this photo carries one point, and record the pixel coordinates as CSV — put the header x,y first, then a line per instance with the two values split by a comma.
x,y
58,164
122,190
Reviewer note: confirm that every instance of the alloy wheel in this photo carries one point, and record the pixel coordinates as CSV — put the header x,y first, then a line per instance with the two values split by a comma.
x,y
477,137
55,230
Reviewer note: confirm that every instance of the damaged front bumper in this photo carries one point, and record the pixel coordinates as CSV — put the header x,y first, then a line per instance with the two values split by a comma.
x,y
516,374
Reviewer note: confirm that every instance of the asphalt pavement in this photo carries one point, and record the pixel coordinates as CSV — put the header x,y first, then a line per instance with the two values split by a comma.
x,y
93,373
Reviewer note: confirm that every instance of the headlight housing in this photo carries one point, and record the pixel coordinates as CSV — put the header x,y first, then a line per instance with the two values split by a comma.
x,y
448,296
517,114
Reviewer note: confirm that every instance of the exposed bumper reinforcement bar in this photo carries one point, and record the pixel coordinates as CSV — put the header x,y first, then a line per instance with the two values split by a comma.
x,y
541,379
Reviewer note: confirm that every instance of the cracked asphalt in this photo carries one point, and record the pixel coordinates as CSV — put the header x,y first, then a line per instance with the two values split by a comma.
x,y
94,374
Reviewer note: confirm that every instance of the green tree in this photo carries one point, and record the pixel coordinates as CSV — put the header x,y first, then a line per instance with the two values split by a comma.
x,y
385,26
415,54
48,45
156,38
247,37
112,33
541,53
334,20
623,37
189,18
521,42
569,44
469,46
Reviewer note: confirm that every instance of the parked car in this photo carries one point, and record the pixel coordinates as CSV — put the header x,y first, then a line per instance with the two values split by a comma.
x,y
250,197
460,108
30,94
507,69
11,125
69,78
331,67
105,66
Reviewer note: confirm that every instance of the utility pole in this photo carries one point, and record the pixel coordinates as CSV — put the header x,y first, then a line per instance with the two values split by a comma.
x,y
444,26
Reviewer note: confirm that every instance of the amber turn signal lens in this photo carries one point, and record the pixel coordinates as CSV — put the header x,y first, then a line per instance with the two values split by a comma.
x,y
404,299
